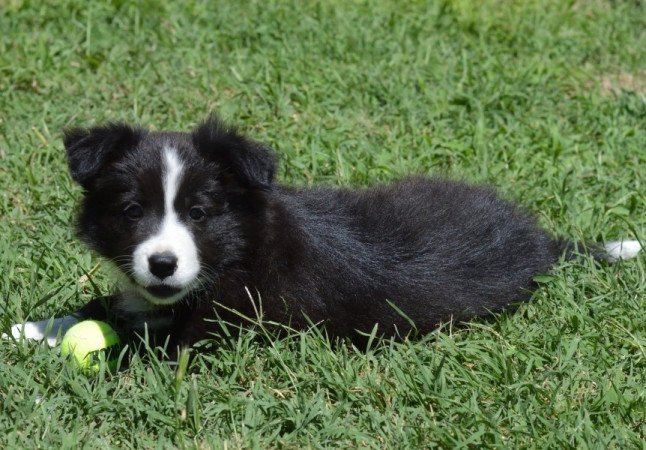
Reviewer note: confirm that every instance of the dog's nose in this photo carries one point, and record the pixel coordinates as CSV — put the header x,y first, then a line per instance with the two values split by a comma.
x,y
162,265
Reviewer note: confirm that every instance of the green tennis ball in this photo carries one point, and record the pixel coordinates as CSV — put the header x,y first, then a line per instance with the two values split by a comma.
x,y
90,341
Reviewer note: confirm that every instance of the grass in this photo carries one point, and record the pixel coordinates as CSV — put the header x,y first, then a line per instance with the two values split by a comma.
x,y
544,99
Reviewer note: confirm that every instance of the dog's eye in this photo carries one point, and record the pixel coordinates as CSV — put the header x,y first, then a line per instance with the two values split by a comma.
x,y
134,211
196,214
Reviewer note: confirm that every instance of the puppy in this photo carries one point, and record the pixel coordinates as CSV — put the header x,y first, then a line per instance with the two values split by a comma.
x,y
198,229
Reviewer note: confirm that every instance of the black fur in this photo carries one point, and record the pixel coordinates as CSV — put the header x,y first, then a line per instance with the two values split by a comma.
x,y
252,164
420,250
89,150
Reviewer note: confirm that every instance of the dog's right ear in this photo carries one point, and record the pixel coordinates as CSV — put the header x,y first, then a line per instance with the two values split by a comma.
x,y
90,149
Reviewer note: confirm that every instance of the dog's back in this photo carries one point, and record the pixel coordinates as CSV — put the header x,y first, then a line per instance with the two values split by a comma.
x,y
419,249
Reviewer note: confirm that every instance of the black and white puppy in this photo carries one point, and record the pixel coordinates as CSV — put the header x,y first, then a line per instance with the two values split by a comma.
x,y
198,229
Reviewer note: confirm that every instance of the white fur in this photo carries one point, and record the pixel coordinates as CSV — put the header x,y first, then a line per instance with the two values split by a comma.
x,y
51,330
130,299
173,237
624,249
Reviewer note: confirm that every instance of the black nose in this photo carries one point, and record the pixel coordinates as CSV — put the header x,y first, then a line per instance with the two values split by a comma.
x,y
162,265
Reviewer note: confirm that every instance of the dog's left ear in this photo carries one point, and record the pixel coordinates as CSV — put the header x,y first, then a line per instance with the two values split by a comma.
x,y
251,164
89,150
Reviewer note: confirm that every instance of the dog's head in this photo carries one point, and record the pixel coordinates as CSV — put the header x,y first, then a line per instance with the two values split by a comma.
x,y
168,209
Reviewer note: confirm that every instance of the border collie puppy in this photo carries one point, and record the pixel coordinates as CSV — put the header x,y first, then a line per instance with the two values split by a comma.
x,y
198,229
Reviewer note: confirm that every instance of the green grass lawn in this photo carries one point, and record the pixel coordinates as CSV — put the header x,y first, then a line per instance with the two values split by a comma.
x,y
544,99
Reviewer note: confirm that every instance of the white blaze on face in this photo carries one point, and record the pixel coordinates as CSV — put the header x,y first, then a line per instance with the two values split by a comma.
x,y
172,237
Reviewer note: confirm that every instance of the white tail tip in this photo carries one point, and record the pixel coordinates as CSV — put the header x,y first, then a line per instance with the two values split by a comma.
x,y
622,249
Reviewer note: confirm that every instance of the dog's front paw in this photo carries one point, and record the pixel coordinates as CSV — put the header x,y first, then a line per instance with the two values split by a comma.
x,y
51,330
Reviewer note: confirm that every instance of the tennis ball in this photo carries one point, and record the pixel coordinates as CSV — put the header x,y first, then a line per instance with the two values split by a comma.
x,y
90,341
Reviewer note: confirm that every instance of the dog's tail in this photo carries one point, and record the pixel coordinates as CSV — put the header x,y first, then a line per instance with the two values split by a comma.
x,y
611,251
624,249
